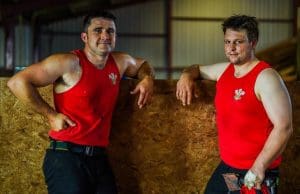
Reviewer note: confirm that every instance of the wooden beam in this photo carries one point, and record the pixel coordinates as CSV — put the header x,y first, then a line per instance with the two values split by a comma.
x,y
29,6
295,16
185,18
298,56
168,42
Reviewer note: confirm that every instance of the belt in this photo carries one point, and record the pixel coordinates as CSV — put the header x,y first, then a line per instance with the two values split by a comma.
x,y
75,148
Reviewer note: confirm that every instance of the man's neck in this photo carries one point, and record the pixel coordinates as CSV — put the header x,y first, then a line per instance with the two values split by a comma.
x,y
242,69
97,60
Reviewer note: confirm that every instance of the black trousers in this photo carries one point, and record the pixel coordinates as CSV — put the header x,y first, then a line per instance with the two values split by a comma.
x,y
73,173
217,185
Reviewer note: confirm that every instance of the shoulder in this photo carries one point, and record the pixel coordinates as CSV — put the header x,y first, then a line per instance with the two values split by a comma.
x,y
216,70
64,61
122,58
221,66
268,81
121,55
125,57
126,62
64,58
268,75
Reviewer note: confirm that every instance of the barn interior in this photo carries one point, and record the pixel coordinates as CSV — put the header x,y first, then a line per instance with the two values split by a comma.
x,y
164,148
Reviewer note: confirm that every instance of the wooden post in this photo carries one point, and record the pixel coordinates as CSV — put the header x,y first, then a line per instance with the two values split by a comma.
x,y
298,56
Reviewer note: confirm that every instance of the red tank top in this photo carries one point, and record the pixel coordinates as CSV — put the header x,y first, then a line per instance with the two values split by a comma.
x,y
90,103
243,124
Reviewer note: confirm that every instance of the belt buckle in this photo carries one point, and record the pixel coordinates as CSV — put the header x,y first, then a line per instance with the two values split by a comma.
x,y
89,150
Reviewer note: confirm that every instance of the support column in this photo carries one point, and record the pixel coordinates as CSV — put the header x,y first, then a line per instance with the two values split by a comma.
x,y
168,42
9,33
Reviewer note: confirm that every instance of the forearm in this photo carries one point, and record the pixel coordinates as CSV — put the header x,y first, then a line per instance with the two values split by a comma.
x,y
192,71
29,95
146,70
273,147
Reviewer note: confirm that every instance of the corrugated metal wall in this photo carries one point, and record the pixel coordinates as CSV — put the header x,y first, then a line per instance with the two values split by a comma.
x,y
62,36
201,40
195,28
223,8
141,32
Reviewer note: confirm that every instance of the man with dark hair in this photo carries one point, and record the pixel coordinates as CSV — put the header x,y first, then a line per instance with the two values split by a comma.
x,y
238,22
253,112
88,18
85,88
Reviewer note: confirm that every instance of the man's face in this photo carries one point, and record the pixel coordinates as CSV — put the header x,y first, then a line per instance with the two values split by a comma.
x,y
238,48
100,36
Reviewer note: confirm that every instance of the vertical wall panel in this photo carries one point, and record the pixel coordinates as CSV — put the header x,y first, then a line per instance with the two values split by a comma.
x,y
60,43
272,33
141,18
2,46
61,36
197,42
148,48
70,25
23,46
298,19
66,43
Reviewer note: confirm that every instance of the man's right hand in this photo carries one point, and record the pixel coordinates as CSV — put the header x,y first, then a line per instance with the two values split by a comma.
x,y
186,89
60,121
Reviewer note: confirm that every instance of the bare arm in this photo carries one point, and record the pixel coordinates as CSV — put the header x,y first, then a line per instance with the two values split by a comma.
x,y
137,68
140,69
271,90
186,87
25,83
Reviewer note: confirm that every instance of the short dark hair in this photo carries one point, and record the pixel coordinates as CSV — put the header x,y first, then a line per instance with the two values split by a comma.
x,y
97,14
243,22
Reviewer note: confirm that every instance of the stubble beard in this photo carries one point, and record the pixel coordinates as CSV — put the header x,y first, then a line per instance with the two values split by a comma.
x,y
101,50
234,59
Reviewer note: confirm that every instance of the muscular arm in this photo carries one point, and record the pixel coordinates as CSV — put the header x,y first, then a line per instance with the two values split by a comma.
x,y
140,69
272,92
186,87
25,83
137,68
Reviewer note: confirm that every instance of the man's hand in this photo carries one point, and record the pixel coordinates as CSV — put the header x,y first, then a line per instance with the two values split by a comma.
x,y
186,89
60,121
254,179
145,88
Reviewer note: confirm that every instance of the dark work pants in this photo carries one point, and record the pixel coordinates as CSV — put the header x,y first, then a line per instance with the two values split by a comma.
x,y
217,185
72,173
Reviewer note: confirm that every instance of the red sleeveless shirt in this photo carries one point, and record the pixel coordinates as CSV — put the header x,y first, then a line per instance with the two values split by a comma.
x,y
243,124
90,103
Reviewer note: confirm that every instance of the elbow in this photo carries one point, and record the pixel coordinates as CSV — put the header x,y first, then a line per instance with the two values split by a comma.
x,y
284,128
11,83
288,129
14,83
